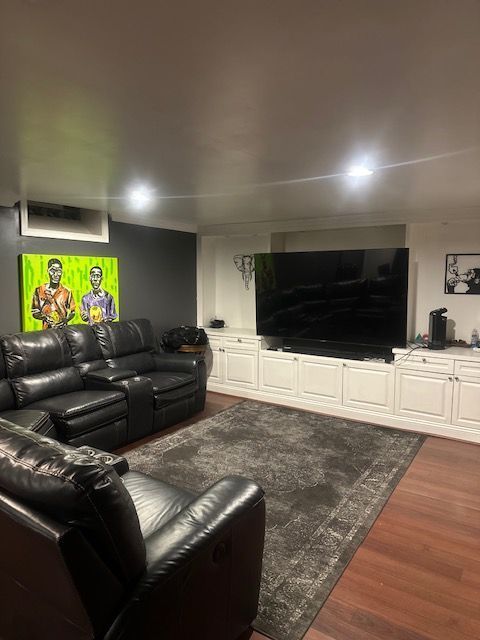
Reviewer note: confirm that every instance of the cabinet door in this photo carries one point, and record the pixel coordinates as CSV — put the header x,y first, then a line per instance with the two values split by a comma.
x,y
241,368
466,402
278,373
369,386
320,379
422,395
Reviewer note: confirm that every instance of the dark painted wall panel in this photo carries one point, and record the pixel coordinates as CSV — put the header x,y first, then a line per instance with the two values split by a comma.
x,y
157,270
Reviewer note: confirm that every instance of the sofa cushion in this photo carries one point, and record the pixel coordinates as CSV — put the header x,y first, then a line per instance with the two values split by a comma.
x,y
7,399
74,489
139,362
118,339
71,405
29,419
80,412
35,351
86,353
156,502
30,389
164,381
170,387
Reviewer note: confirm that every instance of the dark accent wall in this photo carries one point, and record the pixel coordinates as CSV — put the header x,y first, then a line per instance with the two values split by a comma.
x,y
157,270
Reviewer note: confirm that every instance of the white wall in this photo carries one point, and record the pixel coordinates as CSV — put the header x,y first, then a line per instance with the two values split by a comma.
x,y
349,238
224,292
429,243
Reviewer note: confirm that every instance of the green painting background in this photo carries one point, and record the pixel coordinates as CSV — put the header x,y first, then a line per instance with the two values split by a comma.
x,y
76,276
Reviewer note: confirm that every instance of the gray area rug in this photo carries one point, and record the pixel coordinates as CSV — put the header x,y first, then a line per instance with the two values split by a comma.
x,y
326,479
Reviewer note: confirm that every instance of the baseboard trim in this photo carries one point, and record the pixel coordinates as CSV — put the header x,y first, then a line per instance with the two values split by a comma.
x,y
382,419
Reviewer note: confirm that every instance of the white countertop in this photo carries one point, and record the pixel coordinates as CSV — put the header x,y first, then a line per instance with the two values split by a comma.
x,y
232,332
453,353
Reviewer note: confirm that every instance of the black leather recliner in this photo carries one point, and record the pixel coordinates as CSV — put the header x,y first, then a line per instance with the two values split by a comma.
x,y
97,375
33,420
41,373
87,555
178,379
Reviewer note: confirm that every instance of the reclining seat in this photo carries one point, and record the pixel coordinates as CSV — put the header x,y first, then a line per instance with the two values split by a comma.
x,y
178,379
43,378
34,420
88,359
87,555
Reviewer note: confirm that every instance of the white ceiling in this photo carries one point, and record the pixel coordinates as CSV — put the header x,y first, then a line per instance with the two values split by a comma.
x,y
210,101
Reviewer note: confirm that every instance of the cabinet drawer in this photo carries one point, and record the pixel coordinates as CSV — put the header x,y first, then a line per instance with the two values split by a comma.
x,y
241,343
215,343
465,368
425,363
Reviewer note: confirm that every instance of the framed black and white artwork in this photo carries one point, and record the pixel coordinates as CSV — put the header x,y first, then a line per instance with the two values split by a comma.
x,y
462,273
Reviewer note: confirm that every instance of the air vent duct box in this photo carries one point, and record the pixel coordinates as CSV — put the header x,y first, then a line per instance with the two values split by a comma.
x,y
46,220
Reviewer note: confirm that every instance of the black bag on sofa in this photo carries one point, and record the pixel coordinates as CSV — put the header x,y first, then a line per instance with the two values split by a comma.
x,y
173,339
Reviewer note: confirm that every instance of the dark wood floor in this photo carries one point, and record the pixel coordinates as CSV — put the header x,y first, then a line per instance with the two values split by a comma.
x,y
416,575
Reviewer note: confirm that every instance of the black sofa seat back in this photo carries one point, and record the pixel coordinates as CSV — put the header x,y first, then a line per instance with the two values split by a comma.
x,y
39,365
128,345
74,489
7,399
35,351
84,347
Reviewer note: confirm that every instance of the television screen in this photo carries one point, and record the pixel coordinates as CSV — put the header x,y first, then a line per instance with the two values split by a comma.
x,y
354,297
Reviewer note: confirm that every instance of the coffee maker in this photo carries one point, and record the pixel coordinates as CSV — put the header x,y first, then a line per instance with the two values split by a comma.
x,y
437,329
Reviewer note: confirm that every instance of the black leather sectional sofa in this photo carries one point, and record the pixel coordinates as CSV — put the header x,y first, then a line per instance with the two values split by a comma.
x,y
105,386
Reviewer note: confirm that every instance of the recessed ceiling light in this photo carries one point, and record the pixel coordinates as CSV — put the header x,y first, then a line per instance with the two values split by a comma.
x,y
140,197
359,171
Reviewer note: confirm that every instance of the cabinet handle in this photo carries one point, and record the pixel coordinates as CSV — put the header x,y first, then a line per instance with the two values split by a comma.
x,y
450,378
424,360
457,379
295,359
239,339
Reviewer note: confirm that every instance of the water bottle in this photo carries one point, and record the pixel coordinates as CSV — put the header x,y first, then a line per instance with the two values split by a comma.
x,y
474,339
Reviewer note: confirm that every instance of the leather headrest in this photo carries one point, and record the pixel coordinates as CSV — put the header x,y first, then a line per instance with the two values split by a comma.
x,y
83,343
73,489
119,339
35,352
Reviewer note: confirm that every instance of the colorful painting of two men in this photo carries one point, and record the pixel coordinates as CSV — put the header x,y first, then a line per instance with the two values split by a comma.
x,y
57,290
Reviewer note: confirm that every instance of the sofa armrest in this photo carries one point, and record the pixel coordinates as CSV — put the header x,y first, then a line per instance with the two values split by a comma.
x,y
119,463
203,569
110,375
186,362
139,395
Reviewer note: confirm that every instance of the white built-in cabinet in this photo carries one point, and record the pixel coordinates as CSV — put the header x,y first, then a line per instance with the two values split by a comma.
x,y
439,389
435,392
234,361
320,379
334,381
369,386
278,373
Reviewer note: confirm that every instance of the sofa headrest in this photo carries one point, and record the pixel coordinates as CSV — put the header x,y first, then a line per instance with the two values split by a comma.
x,y
83,343
76,490
35,352
118,339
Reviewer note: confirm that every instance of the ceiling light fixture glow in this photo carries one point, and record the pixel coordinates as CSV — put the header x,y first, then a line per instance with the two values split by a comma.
x,y
359,171
140,197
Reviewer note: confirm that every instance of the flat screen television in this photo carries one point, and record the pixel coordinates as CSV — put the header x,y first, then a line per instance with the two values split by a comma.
x,y
349,298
